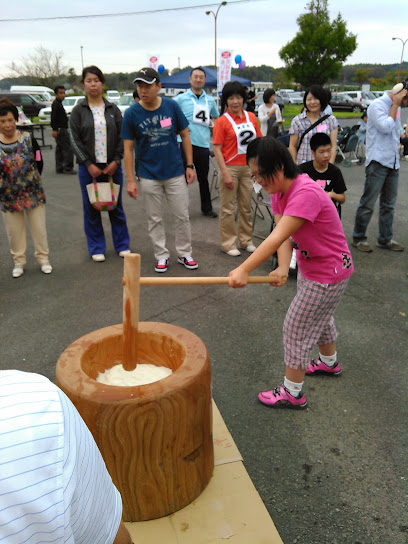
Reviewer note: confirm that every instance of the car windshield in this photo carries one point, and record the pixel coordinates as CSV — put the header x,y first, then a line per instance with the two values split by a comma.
x,y
126,100
296,95
369,95
113,93
69,101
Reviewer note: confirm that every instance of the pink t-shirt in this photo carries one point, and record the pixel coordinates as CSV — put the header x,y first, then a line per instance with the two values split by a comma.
x,y
321,247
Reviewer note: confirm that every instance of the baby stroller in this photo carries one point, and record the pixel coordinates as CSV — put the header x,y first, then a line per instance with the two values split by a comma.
x,y
347,141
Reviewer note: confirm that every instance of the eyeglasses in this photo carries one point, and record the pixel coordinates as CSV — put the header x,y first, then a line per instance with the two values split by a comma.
x,y
257,177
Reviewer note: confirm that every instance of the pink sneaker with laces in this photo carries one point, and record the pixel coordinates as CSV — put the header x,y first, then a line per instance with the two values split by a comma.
x,y
281,398
317,366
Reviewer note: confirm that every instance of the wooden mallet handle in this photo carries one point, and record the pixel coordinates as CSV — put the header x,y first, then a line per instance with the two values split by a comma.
x,y
197,280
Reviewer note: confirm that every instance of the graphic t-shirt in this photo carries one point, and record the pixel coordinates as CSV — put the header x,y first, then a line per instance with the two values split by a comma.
x,y
331,180
321,247
155,133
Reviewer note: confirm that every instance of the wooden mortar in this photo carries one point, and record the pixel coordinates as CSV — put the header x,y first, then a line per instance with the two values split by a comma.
x,y
155,439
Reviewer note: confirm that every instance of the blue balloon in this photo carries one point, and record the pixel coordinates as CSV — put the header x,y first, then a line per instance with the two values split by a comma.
x,y
238,59
160,69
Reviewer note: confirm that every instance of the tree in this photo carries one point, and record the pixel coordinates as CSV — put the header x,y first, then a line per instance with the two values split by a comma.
x,y
317,52
361,75
43,67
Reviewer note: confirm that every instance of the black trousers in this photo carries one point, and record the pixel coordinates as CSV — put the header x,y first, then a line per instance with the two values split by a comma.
x,y
64,157
201,159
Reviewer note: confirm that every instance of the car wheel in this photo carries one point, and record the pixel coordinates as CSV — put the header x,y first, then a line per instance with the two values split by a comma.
x,y
357,109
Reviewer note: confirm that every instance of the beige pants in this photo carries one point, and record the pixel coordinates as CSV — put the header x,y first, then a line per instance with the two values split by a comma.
x,y
241,195
16,232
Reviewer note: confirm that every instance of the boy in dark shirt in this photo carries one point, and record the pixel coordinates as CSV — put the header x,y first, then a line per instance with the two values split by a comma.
x,y
321,170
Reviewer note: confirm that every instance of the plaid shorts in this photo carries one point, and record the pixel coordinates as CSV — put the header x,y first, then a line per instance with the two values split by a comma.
x,y
309,320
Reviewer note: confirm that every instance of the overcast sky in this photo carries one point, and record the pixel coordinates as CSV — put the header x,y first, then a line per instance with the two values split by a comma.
x,y
255,29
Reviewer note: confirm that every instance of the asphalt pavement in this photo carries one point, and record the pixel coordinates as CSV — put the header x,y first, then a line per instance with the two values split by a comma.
x,y
332,474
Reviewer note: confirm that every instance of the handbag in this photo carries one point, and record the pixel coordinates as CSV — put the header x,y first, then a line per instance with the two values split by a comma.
x,y
103,195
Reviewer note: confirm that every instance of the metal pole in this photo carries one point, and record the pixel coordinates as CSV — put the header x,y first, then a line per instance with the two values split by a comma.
x,y
402,54
82,58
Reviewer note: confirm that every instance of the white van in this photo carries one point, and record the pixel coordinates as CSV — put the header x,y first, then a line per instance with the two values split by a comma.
x,y
113,96
364,97
46,92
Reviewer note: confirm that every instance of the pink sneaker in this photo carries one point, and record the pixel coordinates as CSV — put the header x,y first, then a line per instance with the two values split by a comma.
x,y
281,398
318,367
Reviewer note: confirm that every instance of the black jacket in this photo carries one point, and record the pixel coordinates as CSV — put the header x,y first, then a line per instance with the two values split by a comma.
x,y
82,133
59,118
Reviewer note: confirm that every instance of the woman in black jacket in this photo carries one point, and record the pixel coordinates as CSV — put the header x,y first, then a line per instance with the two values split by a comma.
x,y
95,126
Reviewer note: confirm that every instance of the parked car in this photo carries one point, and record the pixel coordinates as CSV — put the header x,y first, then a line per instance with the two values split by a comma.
x,y
295,98
378,94
259,101
342,102
126,100
31,105
113,96
69,104
364,97
284,95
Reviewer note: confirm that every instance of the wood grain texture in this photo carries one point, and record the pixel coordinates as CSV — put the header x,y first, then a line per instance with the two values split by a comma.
x,y
156,439
131,296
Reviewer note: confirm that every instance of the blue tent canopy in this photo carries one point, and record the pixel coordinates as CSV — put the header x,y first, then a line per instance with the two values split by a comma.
x,y
181,79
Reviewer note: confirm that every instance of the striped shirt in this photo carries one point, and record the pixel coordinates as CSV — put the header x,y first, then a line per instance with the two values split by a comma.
x,y
54,486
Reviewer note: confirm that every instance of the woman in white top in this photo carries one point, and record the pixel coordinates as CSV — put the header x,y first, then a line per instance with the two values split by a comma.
x,y
267,110
95,125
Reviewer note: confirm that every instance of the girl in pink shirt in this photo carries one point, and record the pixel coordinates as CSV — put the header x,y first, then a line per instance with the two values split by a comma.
x,y
307,221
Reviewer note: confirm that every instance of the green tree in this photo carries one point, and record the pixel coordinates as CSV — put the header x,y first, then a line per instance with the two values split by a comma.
x,y
317,52
361,75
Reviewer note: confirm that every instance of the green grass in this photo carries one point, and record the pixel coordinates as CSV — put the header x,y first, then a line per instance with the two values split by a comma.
x,y
291,110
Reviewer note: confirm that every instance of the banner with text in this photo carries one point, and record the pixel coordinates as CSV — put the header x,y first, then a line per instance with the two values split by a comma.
x,y
154,62
224,67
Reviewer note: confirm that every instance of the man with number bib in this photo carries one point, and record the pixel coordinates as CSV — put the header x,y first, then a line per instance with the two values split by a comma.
x,y
199,108
232,133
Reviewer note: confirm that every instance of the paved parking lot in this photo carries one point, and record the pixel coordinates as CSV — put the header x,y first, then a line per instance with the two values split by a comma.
x,y
335,473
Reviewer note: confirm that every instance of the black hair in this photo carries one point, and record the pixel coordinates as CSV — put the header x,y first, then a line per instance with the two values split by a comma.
x,y
268,94
229,89
271,157
318,92
7,106
198,68
95,71
319,139
57,88
135,94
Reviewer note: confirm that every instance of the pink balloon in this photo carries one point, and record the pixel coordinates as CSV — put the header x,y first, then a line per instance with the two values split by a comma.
x,y
242,65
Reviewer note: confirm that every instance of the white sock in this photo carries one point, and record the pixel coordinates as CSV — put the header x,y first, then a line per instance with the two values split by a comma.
x,y
329,360
293,387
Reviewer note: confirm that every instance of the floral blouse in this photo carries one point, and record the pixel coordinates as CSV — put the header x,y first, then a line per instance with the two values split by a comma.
x,y
20,182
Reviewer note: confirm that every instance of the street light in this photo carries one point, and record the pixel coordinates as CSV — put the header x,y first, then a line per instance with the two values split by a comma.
x,y
402,54
215,30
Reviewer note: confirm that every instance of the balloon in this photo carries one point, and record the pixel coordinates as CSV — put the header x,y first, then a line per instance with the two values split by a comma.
x,y
160,69
238,59
242,65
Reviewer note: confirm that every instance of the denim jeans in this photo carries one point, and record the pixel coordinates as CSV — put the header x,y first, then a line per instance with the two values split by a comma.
x,y
382,181
93,227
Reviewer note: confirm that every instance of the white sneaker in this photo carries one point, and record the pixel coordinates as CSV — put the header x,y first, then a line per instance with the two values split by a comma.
x,y
46,268
124,252
99,257
292,265
233,252
17,272
250,248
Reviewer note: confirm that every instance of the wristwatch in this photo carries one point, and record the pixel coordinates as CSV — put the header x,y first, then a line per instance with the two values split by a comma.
x,y
190,166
